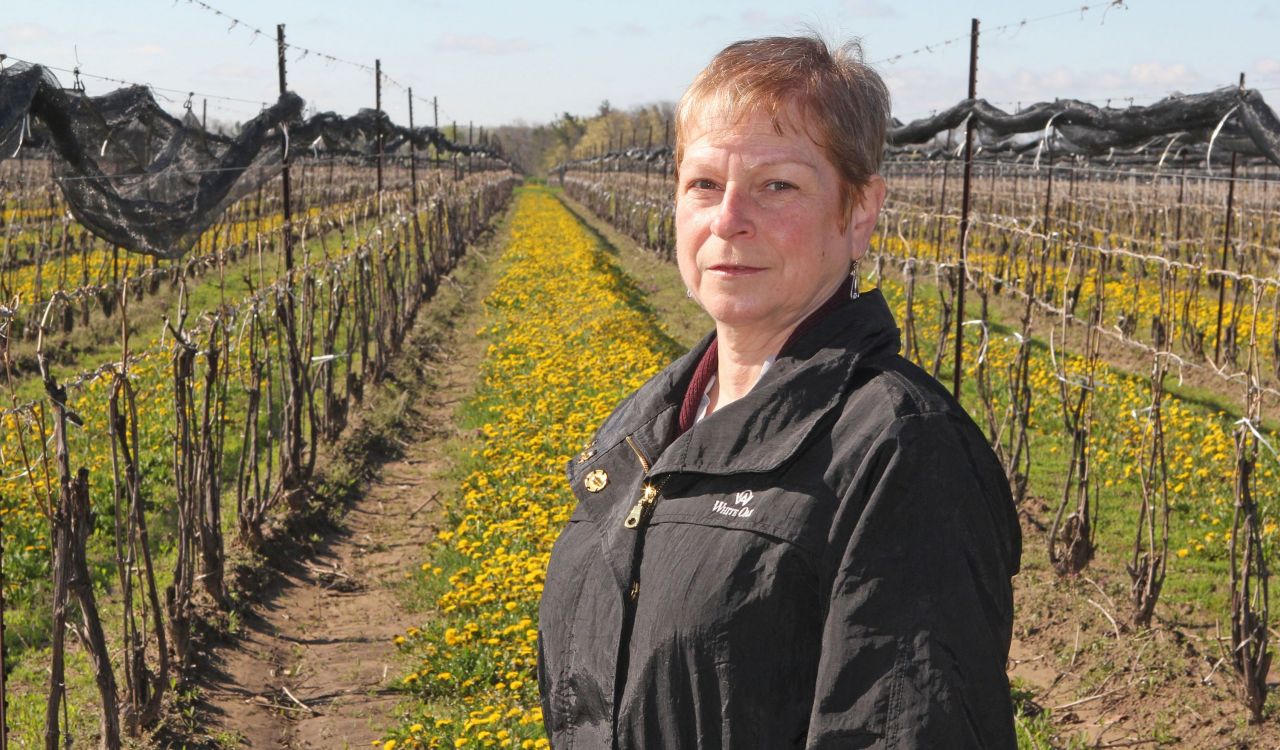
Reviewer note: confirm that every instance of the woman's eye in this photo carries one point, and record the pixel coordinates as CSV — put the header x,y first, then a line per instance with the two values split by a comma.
x,y
702,185
777,186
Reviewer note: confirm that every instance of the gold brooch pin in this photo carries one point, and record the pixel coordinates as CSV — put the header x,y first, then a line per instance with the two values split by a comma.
x,y
596,480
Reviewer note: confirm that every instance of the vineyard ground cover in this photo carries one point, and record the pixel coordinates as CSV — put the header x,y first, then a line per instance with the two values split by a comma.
x,y
43,249
567,338
1080,680
657,284
1178,662
85,349
28,620
1192,385
337,590
1198,586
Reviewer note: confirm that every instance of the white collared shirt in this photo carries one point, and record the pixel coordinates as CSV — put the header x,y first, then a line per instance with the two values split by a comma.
x,y
706,394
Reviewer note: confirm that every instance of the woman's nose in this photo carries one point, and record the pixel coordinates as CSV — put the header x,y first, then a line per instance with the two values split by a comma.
x,y
733,215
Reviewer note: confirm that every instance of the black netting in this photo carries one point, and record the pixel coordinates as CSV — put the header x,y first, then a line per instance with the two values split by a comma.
x,y
141,178
1182,124
18,86
357,135
1248,126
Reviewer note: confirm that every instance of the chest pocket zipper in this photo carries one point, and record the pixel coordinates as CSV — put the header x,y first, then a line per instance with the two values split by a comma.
x,y
635,448
643,508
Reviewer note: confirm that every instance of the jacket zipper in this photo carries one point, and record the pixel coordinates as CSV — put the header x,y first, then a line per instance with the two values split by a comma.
x,y
635,520
643,507
648,493
635,447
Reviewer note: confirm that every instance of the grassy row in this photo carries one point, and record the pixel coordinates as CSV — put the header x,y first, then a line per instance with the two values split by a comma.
x,y
567,340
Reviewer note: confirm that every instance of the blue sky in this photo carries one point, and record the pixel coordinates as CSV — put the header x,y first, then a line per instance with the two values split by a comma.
x,y
502,61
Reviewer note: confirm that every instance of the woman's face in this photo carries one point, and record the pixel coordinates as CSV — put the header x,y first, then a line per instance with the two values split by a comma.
x,y
758,223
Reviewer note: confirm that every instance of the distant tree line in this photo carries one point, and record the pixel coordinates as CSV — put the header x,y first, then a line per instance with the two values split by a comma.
x,y
534,149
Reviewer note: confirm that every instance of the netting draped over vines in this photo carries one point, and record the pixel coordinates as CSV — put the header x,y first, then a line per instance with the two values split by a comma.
x,y
150,182
1085,128
1229,120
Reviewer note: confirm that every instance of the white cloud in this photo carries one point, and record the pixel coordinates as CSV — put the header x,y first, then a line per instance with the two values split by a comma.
x,y
149,50
1267,66
1059,79
1159,74
1112,82
482,44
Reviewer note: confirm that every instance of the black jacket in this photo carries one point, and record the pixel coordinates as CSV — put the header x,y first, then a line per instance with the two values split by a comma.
x,y
825,563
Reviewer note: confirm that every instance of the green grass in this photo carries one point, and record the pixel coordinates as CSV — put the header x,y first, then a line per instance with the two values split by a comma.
x,y
88,347
654,286
1033,723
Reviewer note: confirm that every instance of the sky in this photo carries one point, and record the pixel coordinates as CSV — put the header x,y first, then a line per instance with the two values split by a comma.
x,y
506,61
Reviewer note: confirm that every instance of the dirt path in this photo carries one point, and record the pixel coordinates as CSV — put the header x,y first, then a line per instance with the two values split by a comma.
x,y
312,662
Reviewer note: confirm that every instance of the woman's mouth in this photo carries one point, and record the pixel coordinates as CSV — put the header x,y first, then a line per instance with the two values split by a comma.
x,y
731,269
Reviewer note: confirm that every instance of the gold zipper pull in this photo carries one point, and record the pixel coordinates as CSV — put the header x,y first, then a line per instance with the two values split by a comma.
x,y
640,511
635,447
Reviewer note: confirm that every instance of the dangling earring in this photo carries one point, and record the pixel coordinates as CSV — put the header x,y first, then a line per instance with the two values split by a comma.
x,y
688,293
854,281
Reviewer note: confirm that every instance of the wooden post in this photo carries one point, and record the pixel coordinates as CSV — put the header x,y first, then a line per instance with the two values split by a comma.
x,y
284,160
377,103
648,148
666,141
413,158
1226,244
290,473
1048,216
964,210
942,199
1182,186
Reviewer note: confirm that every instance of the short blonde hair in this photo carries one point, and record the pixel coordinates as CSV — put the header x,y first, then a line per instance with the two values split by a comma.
x,y
842,102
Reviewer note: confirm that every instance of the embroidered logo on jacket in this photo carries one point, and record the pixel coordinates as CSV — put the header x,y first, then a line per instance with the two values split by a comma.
x,y
738,509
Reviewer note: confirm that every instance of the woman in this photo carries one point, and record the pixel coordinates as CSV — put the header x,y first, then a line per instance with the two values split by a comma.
x,y
792,536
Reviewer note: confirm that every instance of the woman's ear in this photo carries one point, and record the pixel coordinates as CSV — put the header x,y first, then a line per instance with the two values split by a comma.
x,y
864,213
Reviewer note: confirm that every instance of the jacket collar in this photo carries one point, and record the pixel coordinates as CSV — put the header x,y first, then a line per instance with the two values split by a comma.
x,y
765,428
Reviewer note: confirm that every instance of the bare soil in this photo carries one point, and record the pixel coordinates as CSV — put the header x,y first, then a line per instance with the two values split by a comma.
x,y
1107,684
314,661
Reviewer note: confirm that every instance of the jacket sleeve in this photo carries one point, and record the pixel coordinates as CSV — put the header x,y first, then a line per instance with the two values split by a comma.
x,y
916,634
